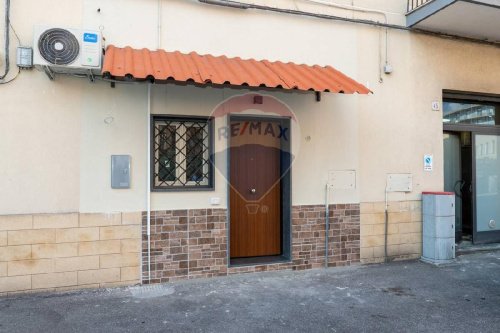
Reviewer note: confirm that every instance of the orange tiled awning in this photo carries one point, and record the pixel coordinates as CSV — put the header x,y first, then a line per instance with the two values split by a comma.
x,y
162,66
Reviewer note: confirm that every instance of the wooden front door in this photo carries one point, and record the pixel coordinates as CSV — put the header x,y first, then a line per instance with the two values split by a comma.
x,y
255,189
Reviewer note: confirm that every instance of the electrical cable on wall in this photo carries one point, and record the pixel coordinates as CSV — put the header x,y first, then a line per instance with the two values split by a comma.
x,y
18,43
383,66
7,46
243,5
7,40
15,77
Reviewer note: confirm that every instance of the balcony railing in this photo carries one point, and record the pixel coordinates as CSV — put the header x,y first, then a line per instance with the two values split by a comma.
x,y
414,4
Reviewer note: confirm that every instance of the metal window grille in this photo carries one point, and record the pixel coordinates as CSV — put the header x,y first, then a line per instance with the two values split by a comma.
x,y
182,153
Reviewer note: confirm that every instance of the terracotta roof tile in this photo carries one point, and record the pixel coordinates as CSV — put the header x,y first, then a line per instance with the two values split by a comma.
x,y
161,65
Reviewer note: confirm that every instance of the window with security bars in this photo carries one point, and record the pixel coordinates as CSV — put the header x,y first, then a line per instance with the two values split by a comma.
x,y
182,153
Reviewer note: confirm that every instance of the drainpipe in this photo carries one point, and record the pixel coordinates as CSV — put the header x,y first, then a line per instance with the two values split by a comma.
x,y
148,180
327,221
386,227
159,18
148,183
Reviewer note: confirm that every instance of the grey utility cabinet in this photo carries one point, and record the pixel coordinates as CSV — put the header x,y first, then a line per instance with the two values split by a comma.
x,y
438,235
120,171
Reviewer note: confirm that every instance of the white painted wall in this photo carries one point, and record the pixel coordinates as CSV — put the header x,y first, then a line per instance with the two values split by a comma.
x,y
55,147
126,106
39,122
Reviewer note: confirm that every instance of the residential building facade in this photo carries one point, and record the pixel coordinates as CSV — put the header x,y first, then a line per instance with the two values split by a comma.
x,y
191,193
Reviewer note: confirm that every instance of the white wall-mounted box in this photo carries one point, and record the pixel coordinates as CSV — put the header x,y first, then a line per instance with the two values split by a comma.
x,y
399,182
342,179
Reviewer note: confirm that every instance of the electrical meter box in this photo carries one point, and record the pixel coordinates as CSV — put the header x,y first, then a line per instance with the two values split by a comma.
x,y
399,182
120,171
342,179
438,232
24,57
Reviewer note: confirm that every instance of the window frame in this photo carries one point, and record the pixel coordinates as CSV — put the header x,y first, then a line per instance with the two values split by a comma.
x,y
474,98
211,141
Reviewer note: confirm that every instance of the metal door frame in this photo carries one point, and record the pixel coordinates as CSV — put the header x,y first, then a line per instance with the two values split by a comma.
x,y
460,162
286,186
460,96
483,236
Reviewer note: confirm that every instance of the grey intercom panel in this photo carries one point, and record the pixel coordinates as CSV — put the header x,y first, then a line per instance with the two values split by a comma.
x,y
120,171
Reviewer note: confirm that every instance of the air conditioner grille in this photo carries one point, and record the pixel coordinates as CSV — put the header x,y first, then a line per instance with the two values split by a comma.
x,y
58,46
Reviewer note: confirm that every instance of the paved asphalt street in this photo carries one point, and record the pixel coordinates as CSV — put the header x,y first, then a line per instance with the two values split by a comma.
x,y
396,297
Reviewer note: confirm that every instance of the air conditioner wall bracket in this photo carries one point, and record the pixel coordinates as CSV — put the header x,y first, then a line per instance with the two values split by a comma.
x,y
51,75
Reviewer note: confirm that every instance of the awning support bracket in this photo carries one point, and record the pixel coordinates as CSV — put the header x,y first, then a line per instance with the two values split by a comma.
x,y
318,96
91,76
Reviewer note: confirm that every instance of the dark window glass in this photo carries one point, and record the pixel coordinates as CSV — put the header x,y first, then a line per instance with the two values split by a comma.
x,y
194,154
166,161
182,153
469,113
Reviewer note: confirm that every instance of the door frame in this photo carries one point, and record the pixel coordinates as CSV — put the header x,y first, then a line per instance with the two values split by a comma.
x,y
459,96
458,233
462,96
285,188
482,237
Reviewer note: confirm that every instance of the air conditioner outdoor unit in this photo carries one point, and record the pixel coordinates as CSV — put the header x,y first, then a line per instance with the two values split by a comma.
x,y
74,50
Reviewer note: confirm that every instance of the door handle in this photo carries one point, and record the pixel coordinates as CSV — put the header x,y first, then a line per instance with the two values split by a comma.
x,y
458,192
252,190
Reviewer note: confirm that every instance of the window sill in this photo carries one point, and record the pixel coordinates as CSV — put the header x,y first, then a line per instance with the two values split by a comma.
x,y
184,189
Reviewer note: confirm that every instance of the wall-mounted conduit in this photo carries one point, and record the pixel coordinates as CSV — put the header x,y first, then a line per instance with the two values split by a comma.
x,y
7,40
242,5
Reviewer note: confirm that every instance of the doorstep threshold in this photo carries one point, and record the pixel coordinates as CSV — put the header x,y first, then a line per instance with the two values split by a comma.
x,y
256,261
476,248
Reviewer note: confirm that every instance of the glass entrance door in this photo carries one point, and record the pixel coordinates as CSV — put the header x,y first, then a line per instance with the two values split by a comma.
x,y
453,177
486,188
